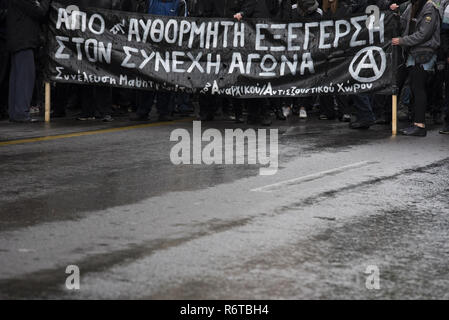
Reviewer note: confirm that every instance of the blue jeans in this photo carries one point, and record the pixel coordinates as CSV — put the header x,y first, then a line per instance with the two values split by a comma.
x,y
426,66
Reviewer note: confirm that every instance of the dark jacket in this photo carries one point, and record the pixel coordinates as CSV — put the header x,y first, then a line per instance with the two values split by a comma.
x,y
217,8
260,8
3,11
102,4
23,22
426,36
343,10
142,6
105,4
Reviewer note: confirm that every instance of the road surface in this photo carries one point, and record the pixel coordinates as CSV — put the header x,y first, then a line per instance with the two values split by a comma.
x,y
138,227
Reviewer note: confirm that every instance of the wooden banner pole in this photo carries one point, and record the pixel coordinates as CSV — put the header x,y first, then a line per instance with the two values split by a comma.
x,y
47,101
394,117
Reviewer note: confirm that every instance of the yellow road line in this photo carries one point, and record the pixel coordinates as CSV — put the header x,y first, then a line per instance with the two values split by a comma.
x,y
88,133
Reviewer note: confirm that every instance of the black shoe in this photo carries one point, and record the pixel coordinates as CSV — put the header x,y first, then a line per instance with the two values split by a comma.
x,y
137,117
252,120
437,119
280,115
165,118
383,122
445,130
239,119
58,115
206,117
414,131
266,121
361,125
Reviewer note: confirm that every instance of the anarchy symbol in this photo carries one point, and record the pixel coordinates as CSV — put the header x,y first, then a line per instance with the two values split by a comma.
x,y
368,62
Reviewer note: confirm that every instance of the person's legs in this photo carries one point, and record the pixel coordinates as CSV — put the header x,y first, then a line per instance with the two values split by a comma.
x,y
144,102
327,108
264,109
237,106
87,102
22,81
4,72
418,80
103,102
418,86
165,100
363,107
208,106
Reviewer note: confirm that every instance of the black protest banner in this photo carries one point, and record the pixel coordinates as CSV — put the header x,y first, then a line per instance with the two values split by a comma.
x,y
252,58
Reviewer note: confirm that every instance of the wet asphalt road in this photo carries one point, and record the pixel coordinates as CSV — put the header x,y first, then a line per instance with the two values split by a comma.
x,y
139,227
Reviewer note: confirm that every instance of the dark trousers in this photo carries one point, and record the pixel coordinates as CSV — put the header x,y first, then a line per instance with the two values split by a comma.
x,y
21,84
327,106
418,81
446,102
4,72
145,100
362,104
382,106
258,107
96,101
306,102
208,105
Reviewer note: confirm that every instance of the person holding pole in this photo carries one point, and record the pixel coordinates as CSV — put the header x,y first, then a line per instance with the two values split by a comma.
x,y
421,40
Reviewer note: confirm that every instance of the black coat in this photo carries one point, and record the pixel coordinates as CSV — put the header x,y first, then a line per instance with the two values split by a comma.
x,y
125,5
3,11
260,8
217,8
141,6
24,22
103,4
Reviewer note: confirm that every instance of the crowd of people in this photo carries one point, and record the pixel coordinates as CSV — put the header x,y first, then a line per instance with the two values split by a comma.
x,y
423,79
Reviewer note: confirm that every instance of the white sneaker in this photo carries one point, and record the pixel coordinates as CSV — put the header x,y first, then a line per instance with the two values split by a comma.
x,y
302,114
286,111
34,110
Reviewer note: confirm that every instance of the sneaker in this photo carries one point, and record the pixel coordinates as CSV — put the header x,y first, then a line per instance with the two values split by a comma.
x,y
414,131
345,118
34,110
85,118
302,113
287,111
107,118
445,130
326,117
